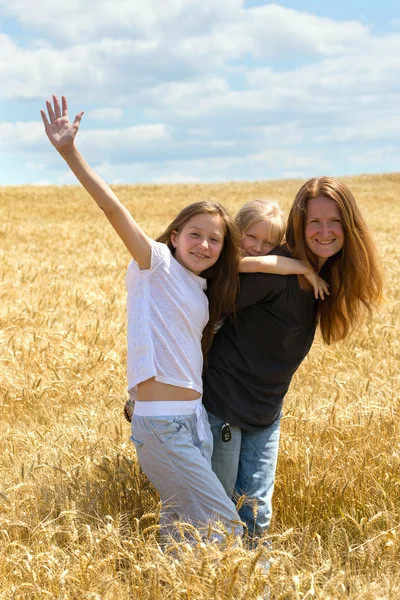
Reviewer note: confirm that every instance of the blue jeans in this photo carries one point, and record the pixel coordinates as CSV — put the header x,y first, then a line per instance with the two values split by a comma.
x,y
247,465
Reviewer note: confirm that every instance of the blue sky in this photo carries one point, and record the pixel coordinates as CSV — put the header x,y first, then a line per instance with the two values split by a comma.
x,y
196,92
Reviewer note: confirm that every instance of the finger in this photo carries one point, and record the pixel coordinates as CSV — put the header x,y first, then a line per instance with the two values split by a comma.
x,y
50,111
44,118
325,287
57,109
64,106
78,118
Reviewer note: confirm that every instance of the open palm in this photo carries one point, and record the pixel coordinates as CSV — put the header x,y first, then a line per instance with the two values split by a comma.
x,y
59,130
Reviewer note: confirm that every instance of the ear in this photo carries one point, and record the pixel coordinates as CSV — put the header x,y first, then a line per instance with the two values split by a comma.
x,y
174,238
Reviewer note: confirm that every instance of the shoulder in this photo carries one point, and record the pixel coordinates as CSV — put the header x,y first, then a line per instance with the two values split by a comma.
x,y
160,255
260,287
282,251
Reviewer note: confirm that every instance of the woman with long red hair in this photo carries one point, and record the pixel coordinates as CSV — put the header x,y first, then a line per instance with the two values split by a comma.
x,y
255,353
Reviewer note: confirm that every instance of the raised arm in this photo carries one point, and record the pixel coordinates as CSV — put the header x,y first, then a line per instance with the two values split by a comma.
x,y
61,134
282,265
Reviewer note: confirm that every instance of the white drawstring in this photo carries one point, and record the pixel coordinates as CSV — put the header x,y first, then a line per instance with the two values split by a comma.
x,y
200,422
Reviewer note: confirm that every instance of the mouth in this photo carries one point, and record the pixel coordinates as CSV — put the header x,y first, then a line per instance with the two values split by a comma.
x,y
325,242
197,255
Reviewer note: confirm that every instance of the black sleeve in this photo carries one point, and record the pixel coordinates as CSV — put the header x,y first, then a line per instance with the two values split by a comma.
x,y
255,287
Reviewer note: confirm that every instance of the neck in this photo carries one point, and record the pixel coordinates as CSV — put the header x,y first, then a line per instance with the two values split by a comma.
x,y
321,262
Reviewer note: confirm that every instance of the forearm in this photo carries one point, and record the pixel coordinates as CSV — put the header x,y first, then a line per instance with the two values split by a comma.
x,y
136,241
277,265
99,190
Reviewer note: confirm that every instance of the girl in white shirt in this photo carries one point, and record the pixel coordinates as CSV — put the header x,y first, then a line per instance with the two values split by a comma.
x,y
171,284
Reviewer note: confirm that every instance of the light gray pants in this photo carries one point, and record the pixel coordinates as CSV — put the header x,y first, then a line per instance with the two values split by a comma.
x,y
174,452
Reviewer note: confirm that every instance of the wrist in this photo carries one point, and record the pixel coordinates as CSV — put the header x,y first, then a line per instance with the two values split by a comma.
x,y
67,150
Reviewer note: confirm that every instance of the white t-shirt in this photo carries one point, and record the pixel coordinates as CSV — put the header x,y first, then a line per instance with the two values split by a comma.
x,y
167,312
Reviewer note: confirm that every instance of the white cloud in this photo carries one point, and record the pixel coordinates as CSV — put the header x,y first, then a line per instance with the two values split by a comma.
x,y
268,30
176,177
374,157
360,71
263,165
380,127
291,160
220,91
92,71
27,136
105,114
137,138
41,182
220,29
20,136
140,43
83,20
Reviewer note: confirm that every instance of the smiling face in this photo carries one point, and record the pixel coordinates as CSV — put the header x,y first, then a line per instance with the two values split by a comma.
x,y
258,240
199,243
323,229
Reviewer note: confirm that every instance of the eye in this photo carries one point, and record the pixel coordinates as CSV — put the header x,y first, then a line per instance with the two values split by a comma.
x,y
193,234
252,237
215,240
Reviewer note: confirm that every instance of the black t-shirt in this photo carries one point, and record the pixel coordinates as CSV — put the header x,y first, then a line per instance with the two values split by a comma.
x,y
255,354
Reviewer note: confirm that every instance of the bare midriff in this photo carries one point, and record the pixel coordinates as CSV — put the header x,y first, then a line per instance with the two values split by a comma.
x,y
151,390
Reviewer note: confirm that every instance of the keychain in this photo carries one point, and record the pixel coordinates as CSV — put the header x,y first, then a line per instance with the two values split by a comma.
x,y
226,432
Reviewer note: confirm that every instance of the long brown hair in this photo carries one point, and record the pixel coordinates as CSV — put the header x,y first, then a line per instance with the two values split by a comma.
x,y
353,273
222,277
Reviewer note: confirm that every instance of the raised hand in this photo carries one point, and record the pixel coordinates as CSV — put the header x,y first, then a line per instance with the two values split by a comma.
x,y
59,130
320,286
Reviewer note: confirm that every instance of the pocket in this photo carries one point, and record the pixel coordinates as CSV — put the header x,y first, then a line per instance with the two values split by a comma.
x,y
136,436
136,443
165,429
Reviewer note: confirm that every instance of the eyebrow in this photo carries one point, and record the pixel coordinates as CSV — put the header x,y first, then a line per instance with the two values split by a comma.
x,y
265,241
318,218
199,229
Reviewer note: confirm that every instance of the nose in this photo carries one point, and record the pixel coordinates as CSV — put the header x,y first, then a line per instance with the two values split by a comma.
x,y
203,243
258,246
325,229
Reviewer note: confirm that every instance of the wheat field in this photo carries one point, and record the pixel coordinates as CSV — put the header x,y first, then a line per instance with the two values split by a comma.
x,y
79,521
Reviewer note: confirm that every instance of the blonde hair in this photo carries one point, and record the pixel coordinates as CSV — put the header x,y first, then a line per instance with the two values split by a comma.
x,y
223,276
262,210
353,273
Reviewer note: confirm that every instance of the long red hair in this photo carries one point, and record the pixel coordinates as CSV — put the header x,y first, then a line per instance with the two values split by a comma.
x,y
353,273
